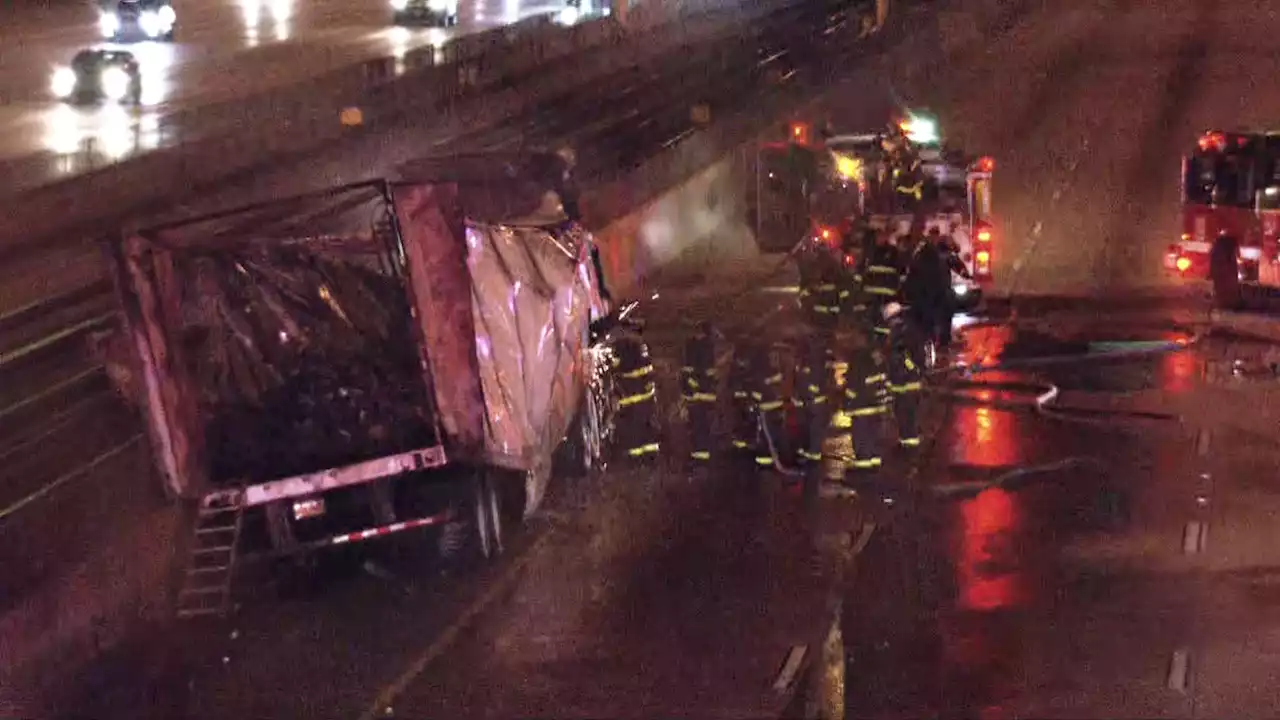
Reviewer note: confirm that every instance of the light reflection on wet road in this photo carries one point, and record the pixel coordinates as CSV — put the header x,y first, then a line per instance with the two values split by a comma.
x,y
959,596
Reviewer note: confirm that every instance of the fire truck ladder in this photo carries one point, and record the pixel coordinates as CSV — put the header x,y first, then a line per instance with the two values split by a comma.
x,y
211,564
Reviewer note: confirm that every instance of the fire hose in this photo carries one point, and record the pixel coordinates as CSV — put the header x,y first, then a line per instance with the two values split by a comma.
x,y
1043,396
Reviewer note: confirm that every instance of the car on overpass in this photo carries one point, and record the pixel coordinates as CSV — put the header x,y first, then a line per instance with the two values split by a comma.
x,y
98,75
137,20
439,13
576,11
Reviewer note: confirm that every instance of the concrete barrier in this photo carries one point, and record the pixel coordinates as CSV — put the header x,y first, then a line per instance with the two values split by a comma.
x,y
211,144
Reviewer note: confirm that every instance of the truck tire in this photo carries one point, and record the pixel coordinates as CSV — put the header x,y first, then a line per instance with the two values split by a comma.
x,y
1224,272
476,533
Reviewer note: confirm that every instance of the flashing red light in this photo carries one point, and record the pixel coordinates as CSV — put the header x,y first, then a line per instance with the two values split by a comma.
x,y
986,164
984,257
825,233
849,260
1183,263
800,133
1213,141
984,235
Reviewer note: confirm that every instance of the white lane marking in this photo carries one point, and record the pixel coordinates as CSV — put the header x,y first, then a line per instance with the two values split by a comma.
x,y
790,668
1203,440
381,704
1194,537
1179,669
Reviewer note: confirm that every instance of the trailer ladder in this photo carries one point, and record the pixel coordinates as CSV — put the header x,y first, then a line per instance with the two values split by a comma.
x,y
206,583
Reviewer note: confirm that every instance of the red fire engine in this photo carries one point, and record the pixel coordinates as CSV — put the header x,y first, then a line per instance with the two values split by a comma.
x,y
1230,213
817,185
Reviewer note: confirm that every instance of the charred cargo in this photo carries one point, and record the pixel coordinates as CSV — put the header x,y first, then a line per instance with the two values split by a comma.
x,y
374,358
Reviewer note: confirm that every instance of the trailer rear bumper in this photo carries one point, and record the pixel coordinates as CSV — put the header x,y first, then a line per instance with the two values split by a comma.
x,y
332,479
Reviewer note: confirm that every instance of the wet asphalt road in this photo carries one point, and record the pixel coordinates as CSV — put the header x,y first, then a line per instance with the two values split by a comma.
x,y
654,592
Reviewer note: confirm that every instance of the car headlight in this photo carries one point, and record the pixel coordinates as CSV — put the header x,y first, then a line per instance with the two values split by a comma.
x,y
115,83
149,21
399,5
568,15
64,82
167,16
109,24
438,6
960,289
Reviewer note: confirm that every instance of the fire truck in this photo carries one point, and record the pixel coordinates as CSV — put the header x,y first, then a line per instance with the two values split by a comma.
x,y
815,186
1230,214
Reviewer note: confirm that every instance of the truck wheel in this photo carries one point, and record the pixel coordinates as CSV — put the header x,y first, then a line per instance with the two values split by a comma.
x,y
476,533
1224,272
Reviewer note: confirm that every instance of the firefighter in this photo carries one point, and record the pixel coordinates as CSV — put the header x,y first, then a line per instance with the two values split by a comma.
x,y
950,253
745,428
927,288
637,406
881,277
904,379
851,301
768,401
698,387
864,404
819,289
814,398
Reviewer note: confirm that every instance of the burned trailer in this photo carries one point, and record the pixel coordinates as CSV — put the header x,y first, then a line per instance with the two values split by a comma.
x,y
345,365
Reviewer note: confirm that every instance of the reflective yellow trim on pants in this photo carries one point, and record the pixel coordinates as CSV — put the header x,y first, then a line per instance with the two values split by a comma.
x,y
700,397
906,387
876,290
867,464
643,450
773,379
700,455
638,398
764,461
741,444
770,406
909,442
842,420
863,412
807,455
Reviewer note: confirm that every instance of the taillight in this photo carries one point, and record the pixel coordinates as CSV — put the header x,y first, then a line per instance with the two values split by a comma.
x,y
982,263
983,233
1183,263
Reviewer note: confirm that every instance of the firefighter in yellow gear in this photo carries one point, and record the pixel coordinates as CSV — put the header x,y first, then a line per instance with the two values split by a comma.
x,y
864,403
745,429
819,286
769,401
881,271
816,400
637,398
905,379
698,385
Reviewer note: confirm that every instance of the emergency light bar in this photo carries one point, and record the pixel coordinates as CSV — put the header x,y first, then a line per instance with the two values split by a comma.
x,y
920,130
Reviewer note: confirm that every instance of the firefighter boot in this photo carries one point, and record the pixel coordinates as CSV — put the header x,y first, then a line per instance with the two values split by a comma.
x,y
867,432
906,413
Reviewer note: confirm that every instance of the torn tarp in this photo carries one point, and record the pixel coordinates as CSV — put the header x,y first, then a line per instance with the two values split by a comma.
x,y
506,307
533,295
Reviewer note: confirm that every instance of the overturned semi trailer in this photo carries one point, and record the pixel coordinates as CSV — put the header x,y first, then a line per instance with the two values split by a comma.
x,y
344,365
